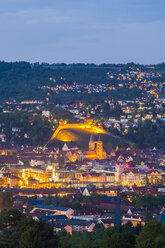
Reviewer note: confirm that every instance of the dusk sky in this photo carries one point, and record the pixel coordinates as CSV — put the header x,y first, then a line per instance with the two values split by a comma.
x,y
87,31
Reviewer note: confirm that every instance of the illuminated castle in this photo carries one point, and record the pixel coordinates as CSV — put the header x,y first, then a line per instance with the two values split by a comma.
x,y
72,132
96,150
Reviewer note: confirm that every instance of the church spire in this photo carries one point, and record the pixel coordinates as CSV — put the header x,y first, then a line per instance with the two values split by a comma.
x,y
91,143
91,139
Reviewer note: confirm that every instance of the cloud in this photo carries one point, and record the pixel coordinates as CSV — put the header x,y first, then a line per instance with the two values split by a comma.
x,y
35,16
83,30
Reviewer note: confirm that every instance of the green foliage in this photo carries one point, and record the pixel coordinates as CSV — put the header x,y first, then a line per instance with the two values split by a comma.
x,y
22,80
19,231
96,197
31,238
151,235
61,161
101,238
37,128
6,200
150,201
59,113
148,134
11,217
25,232
99,226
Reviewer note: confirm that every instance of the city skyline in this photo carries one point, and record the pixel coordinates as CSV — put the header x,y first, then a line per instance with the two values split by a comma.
x,y
82,123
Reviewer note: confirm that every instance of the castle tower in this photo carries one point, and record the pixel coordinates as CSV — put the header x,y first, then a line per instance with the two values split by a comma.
x,y
91,143
99,148
88,115
88,119
61,122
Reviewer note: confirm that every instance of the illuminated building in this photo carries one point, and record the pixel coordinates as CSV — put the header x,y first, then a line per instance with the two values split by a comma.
x,y
99,149
65,132
119,170
79,226
93,177
154,176
11,180
96,150
72,156
132,177
91,144
33,183
30,173
134,219
64,175
42,175
7,149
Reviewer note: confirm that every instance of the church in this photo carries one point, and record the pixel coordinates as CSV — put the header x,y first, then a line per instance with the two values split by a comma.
x,y
96,150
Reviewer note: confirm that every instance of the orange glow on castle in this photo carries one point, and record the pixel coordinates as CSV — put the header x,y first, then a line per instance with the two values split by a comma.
x,y
63,132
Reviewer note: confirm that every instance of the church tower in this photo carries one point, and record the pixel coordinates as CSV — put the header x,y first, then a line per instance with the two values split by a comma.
x,y
91,143
99,149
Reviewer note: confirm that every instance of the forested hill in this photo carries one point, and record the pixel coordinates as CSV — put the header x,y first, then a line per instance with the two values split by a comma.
x,y
20,80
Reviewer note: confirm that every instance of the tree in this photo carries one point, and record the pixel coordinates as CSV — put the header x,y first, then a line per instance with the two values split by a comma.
x,y
160,241
61,161
11,217
123,196
76,204
64,239
149,234
31,238
99,227
106,110
116,240
8,239
6,200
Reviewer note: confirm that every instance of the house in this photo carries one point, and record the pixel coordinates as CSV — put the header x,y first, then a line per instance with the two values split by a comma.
x,y
107,222
93,177
58,210
15,130
74,225
53,218
3,137
87,213
7,148
11,180
134,219
46,113
9,160
96,150
132,177
86,192
154,176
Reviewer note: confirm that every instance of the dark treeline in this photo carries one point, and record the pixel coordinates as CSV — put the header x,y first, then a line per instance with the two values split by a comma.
x,y
19,231
38,128
21,80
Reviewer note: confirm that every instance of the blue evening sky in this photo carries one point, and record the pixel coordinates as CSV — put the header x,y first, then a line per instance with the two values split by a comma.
x,y
87,31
